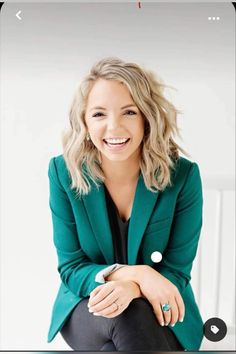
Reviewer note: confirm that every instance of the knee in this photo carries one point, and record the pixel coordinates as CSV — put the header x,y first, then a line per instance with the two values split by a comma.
x,y
139,310
138,317
140,305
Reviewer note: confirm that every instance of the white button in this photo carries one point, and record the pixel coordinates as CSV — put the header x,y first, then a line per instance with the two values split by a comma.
x,y
156,256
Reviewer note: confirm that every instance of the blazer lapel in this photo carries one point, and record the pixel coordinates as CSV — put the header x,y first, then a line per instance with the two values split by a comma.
x,y
143,204
95,204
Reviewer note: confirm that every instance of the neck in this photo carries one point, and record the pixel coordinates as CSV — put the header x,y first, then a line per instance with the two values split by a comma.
x,y
120,172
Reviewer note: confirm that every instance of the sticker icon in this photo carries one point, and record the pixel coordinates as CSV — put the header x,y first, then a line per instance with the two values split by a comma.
x,y
215,329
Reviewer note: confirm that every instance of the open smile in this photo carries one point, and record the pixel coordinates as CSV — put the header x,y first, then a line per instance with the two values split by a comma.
x,y
116,144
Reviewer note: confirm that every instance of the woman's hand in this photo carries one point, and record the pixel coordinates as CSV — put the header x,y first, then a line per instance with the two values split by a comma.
x,y
159,290
112,298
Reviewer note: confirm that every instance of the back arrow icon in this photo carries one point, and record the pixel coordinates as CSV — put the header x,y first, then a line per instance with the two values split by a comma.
x,y
18,15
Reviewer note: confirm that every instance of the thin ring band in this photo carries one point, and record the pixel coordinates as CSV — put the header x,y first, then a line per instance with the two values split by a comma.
x,y
117,306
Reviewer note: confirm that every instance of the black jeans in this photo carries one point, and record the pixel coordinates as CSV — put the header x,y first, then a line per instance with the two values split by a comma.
x,y
136,328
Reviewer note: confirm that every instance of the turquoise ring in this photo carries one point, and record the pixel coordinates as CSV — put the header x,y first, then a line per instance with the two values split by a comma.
x,y
165,307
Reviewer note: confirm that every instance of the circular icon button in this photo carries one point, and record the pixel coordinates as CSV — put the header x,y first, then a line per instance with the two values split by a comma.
x,y
215,329
156,256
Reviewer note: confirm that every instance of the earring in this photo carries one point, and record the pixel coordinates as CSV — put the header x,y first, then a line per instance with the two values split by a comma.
x,y
87,137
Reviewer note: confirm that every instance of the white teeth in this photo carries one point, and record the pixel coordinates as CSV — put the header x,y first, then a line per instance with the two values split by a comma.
x,y
115,141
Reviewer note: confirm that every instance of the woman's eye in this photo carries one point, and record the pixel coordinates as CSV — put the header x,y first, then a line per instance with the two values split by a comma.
x,y
96,114
131,112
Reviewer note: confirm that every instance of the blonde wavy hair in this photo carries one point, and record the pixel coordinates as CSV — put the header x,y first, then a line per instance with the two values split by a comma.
x,y
159,150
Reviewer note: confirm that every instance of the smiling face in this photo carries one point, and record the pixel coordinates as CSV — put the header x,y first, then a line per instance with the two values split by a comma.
x,y
116,128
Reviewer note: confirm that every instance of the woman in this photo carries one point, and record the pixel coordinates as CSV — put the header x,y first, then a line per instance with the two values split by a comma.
x,y
127,215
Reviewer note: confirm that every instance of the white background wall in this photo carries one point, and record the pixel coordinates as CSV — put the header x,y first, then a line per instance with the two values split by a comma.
x,y
43,58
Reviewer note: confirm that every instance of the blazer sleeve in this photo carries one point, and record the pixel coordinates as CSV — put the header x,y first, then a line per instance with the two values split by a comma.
x,y
76,270
185,231
100,276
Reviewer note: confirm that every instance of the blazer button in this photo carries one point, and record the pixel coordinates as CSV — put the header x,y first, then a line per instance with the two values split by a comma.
x,y
156,256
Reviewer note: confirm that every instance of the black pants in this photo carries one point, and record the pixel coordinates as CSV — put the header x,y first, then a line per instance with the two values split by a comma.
x,y
136,328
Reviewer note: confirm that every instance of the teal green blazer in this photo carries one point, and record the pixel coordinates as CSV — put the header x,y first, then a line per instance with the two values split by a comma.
x,y
168,222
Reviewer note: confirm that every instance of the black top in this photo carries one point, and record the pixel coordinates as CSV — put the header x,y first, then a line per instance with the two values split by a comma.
x,y
119,229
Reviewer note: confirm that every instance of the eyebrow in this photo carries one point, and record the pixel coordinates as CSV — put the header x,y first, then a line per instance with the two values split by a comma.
x,y
128,105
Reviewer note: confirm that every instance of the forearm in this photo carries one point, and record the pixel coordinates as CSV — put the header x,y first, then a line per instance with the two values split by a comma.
x,y
130,273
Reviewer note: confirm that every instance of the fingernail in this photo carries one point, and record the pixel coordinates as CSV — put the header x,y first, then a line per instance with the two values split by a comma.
x,y
166,324
172,325
88,305
96,314
90,310
181,320
162,323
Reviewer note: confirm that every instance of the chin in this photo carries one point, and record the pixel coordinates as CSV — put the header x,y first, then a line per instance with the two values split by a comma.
x,y
119,155
116,158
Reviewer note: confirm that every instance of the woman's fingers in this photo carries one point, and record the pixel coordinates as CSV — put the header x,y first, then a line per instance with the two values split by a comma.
x,y
158,312
103,304
181,307
174,312
95,291
112,309
169,317
100,294
166,314
113,298
117,311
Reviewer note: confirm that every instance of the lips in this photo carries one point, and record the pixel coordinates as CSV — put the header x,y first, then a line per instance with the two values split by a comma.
x,y
116,147
118,143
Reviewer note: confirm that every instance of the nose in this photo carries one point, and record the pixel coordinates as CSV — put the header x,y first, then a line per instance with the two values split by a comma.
x,y
113,123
